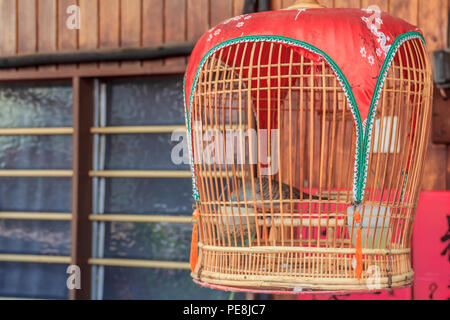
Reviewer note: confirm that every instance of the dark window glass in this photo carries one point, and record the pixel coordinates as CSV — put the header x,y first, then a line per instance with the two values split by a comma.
x,y
166,284
35,194
147,102
142,102
35,237
36,105
33,280
141,152
149,196
32,105
36,152
153,241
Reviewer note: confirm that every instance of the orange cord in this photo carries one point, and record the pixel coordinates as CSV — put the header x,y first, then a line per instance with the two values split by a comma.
x,y
194,243
358,255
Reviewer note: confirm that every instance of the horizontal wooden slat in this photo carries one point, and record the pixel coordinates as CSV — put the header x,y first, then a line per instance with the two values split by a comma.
x,y
34,258
50,216
35,131
36,173
14,298
136,129
139,263
305,222
113,71
140,174
138,218
307,249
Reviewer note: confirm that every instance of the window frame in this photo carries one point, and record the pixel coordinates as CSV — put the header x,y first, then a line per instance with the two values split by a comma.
x,y
84,81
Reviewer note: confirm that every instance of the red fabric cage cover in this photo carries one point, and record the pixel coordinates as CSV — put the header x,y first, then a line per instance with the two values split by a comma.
x,y
359,45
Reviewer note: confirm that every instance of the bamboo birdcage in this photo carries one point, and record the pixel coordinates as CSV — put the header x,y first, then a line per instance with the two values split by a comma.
x,y
269,116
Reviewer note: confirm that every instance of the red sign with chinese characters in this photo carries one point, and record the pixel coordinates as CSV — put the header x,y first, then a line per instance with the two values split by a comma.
x,y
431,247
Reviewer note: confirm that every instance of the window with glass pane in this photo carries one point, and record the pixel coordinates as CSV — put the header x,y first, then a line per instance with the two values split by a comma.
x,y
150,102
34,105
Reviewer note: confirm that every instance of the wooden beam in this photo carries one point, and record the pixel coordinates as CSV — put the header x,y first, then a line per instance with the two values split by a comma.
x,y
146,70
136,129
139,218
141,174
47,216
35,131
36,173
31,258
140,263
83,106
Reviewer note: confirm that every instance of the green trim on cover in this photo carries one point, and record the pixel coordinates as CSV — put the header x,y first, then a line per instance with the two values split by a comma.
x,y
368,127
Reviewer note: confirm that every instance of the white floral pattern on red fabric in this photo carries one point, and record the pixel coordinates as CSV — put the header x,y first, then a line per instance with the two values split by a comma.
x,y
363,52
299,12
374,23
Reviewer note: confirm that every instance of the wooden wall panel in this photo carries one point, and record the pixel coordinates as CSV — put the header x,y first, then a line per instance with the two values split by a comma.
x,y
448,168
197,18
287,3
220,11
67,38
433,21
434,177
238,6
382,4
109,26
175,26
27,31
327,3
152,26
407,10
8,38
130,22
88,38
47,29
347,3
88,35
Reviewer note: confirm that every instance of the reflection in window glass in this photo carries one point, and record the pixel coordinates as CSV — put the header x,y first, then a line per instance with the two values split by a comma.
x,y
143,102
149,196
36,152
35,194
35,237
152,241
146,102
33,280
137,283
32,105
141,152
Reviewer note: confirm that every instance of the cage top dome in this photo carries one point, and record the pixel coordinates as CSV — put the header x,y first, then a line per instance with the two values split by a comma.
x,y
359,45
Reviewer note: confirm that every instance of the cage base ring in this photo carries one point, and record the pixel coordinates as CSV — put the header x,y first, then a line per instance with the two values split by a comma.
x,y
298,288
291,292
